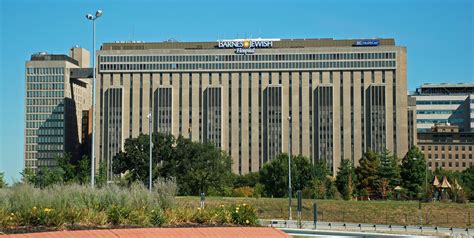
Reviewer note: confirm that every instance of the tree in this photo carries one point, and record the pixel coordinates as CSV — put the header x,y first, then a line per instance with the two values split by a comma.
x,y
389,173
368,171
199,168
46,177
345,179
467,177
274,175
413,171
320,170
83,170
134,160
3,184
246,180
69,169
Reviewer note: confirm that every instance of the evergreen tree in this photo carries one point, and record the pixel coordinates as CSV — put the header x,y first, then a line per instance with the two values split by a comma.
x,y
389,173
413,172
345,179
368,172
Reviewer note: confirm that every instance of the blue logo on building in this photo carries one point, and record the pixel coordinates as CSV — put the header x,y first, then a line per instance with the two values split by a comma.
x,y
366,42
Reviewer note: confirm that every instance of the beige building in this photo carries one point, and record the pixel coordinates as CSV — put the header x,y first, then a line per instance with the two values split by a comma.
x,y
57,91
446,147
343,97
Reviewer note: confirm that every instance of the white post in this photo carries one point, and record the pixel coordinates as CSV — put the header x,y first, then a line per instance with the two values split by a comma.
x,y
289,169
151,147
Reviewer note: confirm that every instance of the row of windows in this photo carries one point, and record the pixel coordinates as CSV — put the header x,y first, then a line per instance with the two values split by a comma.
x,y
436,121
440,111
42,117
45,86
45,71
45,79
256,57
50,154
440,102
269,65
48,124
50,147
450,156
45,102
443,164
449,147
45,109
45,139
45,94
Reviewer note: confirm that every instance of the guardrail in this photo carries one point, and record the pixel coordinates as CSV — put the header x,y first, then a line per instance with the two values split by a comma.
x,y
365,227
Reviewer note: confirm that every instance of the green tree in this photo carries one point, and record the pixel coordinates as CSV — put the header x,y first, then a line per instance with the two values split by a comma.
x,y
46,177
3,184
413,171
467,177
199,168
368,171
134,160
83,170
274,175
69,169
345,179
246,180
389,173
320,170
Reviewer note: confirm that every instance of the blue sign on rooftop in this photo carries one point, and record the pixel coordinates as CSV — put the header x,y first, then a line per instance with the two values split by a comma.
x,y
373,42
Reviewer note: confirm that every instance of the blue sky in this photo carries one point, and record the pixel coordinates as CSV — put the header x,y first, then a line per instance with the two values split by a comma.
x,y
439,36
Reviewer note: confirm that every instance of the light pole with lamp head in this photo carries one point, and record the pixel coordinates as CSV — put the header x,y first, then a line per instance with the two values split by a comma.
x,y
92,18
150,120
289,169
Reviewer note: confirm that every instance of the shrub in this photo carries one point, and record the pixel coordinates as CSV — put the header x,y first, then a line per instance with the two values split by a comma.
x,y
117,215
243,192
157,217
243,215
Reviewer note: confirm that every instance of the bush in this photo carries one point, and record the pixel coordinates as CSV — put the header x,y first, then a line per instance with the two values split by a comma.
x,y
243,192
157,217
243,214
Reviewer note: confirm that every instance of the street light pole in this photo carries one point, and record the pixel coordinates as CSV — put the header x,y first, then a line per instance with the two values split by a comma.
x,y
150,118
289,169
92,18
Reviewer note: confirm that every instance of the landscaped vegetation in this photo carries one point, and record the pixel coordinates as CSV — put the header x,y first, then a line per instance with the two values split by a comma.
x,y
61,196
25,208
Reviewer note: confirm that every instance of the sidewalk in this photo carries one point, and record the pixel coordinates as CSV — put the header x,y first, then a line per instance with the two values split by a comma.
x,y
198,232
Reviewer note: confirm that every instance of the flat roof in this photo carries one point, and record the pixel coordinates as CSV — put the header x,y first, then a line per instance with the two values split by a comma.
x,y
52,57
277,43
446,85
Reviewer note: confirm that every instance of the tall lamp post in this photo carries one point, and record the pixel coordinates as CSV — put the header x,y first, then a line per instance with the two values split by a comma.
x,y
289,169
151,147
92,18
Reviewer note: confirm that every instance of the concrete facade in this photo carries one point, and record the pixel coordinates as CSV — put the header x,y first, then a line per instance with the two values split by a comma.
x,y
57,93
343,99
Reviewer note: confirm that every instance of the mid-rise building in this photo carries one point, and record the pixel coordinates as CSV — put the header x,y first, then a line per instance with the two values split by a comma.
x,y
446,147
443,104
255,98
57,91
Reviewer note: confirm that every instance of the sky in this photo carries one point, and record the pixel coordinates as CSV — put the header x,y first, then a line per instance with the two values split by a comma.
x,y
439,36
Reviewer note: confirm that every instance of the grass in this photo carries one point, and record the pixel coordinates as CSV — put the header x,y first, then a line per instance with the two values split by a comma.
x,y
24,208
375,212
